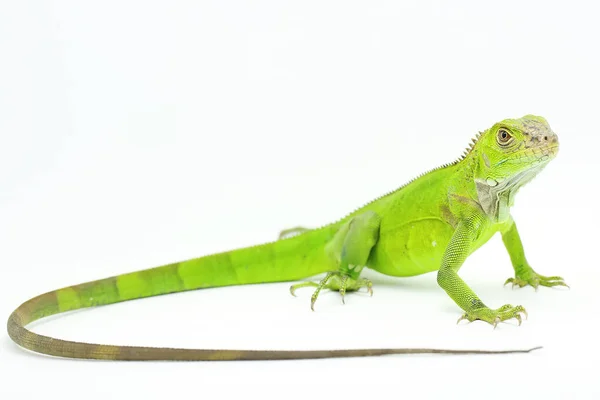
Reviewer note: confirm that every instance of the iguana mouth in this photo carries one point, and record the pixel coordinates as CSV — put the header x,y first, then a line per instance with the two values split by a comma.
x,y
552,150
535,155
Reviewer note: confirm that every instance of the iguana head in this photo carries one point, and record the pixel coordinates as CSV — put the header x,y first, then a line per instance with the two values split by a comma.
x,y
513,151
507,156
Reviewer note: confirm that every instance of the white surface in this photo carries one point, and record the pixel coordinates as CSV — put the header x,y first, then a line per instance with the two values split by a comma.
x,y
140,133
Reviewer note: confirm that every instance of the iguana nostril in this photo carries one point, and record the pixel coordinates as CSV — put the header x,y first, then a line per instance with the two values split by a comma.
x,y
545,137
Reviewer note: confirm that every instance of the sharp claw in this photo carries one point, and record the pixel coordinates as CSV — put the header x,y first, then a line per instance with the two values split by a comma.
x,y
293,291
518,318
461,318
525,313
496,321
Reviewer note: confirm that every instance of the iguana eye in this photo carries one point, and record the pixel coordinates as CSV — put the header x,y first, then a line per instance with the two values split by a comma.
x,y
503,137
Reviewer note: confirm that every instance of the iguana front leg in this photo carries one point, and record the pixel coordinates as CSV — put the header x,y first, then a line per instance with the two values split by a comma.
x,y
524,274
350,249
455,255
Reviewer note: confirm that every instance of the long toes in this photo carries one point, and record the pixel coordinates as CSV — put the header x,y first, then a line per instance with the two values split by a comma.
x,y
507,312
344,287
293,288
551,278
554,283
313,299
505,307
510,315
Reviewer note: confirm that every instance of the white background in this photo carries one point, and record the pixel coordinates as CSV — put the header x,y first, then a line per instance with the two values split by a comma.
x,y
134,134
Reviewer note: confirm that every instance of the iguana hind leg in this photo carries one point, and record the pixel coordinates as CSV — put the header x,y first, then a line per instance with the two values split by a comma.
x,y
350,249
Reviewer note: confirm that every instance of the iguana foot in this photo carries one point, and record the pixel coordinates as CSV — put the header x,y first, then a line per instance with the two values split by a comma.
x,y
535,280
348,250
336,281
494,316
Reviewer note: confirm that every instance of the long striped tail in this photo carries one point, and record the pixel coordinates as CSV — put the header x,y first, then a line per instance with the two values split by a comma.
x,y
251,265
31,309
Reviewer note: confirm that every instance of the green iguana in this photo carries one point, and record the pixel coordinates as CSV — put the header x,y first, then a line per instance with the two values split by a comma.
x,y
433,223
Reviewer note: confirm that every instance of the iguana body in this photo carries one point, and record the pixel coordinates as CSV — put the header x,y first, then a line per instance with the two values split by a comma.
x,y
433,223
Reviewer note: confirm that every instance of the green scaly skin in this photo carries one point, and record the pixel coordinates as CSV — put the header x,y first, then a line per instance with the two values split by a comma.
x,y
433,223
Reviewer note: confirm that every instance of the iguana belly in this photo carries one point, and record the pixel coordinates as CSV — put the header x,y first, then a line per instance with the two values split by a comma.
x,y
412,248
